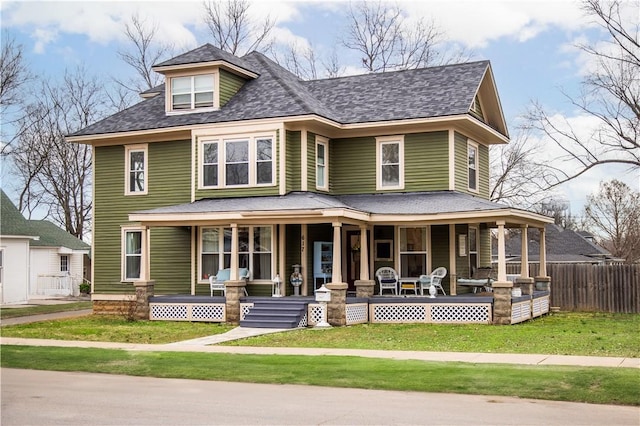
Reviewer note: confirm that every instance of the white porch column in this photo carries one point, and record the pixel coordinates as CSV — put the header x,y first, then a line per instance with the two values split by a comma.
x,y
502,259
453,272
233,275
281,258
543,253
303,258
336,267
524,262
364,254
145,267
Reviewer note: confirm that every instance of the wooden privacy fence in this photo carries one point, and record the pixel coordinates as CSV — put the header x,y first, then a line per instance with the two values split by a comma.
x,y
584,287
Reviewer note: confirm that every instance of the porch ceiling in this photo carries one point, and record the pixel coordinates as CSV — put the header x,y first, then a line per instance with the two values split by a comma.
x,y
437,207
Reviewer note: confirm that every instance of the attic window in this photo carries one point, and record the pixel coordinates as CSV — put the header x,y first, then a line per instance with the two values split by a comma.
x,y
192,92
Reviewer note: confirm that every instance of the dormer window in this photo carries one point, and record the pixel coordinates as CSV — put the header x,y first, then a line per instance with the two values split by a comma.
x,y
192,92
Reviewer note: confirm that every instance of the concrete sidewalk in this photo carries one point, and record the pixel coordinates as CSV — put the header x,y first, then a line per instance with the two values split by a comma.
x,y
208,344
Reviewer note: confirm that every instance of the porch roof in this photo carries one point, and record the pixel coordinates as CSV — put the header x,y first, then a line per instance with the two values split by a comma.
x,y
307,207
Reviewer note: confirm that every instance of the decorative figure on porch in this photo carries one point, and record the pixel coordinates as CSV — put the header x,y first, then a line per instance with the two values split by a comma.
x,y
276,287
296,280
432,291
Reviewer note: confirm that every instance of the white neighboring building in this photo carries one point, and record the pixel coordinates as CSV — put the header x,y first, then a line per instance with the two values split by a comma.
x,y
37,259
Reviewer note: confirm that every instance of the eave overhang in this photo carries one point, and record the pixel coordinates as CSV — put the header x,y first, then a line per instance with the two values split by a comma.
x,y
332,129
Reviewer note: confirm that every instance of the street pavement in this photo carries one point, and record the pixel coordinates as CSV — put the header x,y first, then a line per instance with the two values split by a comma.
x,y
32,397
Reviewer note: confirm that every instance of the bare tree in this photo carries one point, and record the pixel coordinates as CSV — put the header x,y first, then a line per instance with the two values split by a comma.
x,y
14,74
55,176
610,94
144,51
233,30
386,41
613,213
517,178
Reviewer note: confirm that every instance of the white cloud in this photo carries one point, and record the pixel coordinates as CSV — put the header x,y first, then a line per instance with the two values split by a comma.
x,y
477,23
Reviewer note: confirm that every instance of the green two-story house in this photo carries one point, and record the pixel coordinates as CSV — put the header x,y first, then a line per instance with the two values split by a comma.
x,y
236,163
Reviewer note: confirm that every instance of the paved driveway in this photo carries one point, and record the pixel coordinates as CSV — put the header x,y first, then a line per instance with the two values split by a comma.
x,y
54,398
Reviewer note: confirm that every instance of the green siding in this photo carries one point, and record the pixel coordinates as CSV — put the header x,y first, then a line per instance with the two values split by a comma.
x,y
425,158
352,165
171,260
293,172
168,179
462,262
241,192
230,84
462,172
485,246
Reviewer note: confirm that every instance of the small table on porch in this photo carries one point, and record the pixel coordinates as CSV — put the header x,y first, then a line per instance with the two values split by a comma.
x,y
409,284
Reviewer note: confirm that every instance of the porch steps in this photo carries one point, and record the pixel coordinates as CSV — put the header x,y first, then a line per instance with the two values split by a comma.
x,y
275,313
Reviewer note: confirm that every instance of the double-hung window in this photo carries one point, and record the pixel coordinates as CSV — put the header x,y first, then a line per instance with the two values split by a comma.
x,y
390,162
413,252
192,92
322,153
472,157
64,263
132,252
255,251
232,162
136,170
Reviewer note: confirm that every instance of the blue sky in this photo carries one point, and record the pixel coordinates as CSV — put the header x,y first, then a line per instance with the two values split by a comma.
x,y
529,43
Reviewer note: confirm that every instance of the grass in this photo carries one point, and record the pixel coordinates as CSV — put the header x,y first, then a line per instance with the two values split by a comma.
x,y
6,313
594,334
590,385
103,328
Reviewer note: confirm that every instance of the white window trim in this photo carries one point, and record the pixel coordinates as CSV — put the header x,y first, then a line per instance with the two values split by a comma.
x,y
222,253
127,168
325,143
399,139
123,253
168,100
474,145
222,163
426,251
65,256
471,250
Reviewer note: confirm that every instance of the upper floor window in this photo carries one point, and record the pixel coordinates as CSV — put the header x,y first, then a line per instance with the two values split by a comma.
x,y
136,170
246,161
322,152
472,156
390,162
132,243
192,92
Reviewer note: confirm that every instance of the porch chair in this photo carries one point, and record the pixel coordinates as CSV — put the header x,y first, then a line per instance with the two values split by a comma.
x,y
434,278
216,282
388,279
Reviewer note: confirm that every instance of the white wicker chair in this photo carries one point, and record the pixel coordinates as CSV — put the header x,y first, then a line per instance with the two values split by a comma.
x,y
434,278
388,279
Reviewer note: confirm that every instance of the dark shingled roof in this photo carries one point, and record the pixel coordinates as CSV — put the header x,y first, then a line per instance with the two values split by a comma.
x,y
436,202
411,94
562,245
205,53
13,223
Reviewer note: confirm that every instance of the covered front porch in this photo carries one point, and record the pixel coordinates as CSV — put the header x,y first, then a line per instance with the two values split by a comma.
x,y
340,241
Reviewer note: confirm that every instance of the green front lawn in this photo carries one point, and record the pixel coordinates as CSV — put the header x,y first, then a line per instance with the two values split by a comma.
x,y
567,333
6,313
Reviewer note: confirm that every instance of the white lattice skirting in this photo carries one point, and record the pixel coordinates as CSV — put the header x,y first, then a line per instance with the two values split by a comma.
x,y
445,313
520,311
540,306
314,313
211,312
357,313
244,309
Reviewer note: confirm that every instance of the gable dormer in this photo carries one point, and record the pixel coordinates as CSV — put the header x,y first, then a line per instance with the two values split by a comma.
x,y
201,80
485,105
